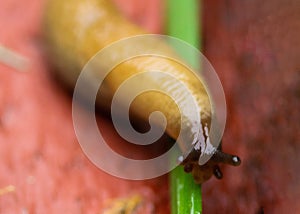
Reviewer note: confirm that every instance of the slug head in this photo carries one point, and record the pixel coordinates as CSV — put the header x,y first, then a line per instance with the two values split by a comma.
x,y
204,172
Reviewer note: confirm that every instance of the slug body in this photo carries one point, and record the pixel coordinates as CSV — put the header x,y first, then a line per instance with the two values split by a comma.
x,y
76,30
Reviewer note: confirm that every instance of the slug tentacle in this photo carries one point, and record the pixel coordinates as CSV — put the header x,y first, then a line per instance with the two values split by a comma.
x,y
202,173
222,157
217,172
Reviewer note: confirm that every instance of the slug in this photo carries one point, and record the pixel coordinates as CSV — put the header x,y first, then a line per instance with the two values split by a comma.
x,y
75,30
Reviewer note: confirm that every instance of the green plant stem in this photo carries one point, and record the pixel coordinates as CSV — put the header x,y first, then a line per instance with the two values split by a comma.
x,y
183,22
185,194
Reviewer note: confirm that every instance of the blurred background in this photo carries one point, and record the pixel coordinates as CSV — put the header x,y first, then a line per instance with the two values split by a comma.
x,y
255,48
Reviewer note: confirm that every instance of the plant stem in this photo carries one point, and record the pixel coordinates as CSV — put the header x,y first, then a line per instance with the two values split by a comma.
x,y
183,22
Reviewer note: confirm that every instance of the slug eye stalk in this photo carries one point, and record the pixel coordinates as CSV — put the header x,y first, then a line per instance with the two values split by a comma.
x,y
221,157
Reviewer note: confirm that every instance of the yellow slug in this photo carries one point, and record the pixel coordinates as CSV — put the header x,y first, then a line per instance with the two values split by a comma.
x,y
76,30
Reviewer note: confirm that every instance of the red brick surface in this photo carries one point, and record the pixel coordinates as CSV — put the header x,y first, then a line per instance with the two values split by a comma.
x,y
39,153
255,48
